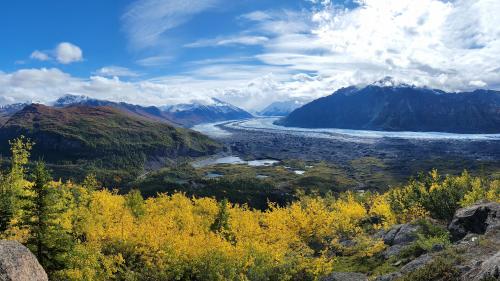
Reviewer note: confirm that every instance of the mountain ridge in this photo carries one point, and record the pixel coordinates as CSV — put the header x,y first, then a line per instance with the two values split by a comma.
x,y
103,137
401,108
186,115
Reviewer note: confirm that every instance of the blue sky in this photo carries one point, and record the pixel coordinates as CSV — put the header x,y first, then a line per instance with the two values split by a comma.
x,y
247,52
97,27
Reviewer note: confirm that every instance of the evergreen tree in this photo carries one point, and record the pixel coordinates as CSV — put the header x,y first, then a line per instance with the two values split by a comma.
x,y
221,223
12,185
6,206
90,183
43,209
135,203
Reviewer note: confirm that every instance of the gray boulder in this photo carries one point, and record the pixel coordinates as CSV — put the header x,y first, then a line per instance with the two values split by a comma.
x,y
345,276
399,234
393,251
417,263
388,277
406,234
477,219
398,238
17,263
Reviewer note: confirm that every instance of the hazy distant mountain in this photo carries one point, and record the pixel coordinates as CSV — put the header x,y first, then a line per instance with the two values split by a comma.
x,y
388,107
182,114
196,113
281,108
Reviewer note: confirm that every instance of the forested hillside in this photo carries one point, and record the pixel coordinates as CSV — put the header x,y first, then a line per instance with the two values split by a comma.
x,y
74,140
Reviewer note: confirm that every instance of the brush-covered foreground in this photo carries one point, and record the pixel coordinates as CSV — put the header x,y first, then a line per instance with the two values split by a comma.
x,y
80,232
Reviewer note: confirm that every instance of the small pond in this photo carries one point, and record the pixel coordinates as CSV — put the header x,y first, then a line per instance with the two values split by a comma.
x,y
233,160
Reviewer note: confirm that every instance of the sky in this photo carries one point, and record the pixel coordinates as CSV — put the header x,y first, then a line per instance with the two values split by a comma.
x,y
246,52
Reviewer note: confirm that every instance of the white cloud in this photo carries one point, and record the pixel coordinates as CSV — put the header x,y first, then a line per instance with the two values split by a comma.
x,y
110,71
66,53
229,41
39,55
257,16
155,61
146,21
451,45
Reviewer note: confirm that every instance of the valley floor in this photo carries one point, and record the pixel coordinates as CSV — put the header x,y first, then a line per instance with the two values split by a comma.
x,y
373,159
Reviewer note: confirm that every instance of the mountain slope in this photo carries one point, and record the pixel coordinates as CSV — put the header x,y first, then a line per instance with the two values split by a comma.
x,y
196,113
401,108
102,137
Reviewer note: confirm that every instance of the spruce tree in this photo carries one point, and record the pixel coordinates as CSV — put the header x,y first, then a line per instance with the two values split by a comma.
x,y
43,209
221,223
12,184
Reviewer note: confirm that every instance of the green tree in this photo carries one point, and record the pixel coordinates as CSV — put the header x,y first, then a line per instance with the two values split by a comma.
x,y
12,184
135,203
90,183
43,209
221,223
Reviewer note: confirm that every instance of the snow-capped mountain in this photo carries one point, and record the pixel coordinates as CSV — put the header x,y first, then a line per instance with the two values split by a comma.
x,y
197,112
281,108
68,100
6,111
182,114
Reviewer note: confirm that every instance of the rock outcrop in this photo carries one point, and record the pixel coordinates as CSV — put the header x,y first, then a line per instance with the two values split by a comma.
x,y
476,234
397,238
489,268
17,263
345,276
477,219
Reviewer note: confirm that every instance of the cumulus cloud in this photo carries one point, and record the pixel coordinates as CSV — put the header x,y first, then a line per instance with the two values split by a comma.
x,y
46,85
447,45
39,55
64,53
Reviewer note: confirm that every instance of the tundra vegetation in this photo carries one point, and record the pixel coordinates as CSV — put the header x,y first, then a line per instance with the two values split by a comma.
x,y
79,231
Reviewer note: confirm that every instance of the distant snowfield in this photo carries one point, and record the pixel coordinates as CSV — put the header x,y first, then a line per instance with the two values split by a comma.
x,y
266,125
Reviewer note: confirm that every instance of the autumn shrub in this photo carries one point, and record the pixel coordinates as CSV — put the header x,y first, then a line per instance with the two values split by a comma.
x,y
436,196
429,236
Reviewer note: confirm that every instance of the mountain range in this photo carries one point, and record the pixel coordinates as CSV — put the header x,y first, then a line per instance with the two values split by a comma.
x,y
185,115
102,138
401,108
196,113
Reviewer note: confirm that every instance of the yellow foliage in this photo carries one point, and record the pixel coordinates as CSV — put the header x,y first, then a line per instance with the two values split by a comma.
x,y
173,237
